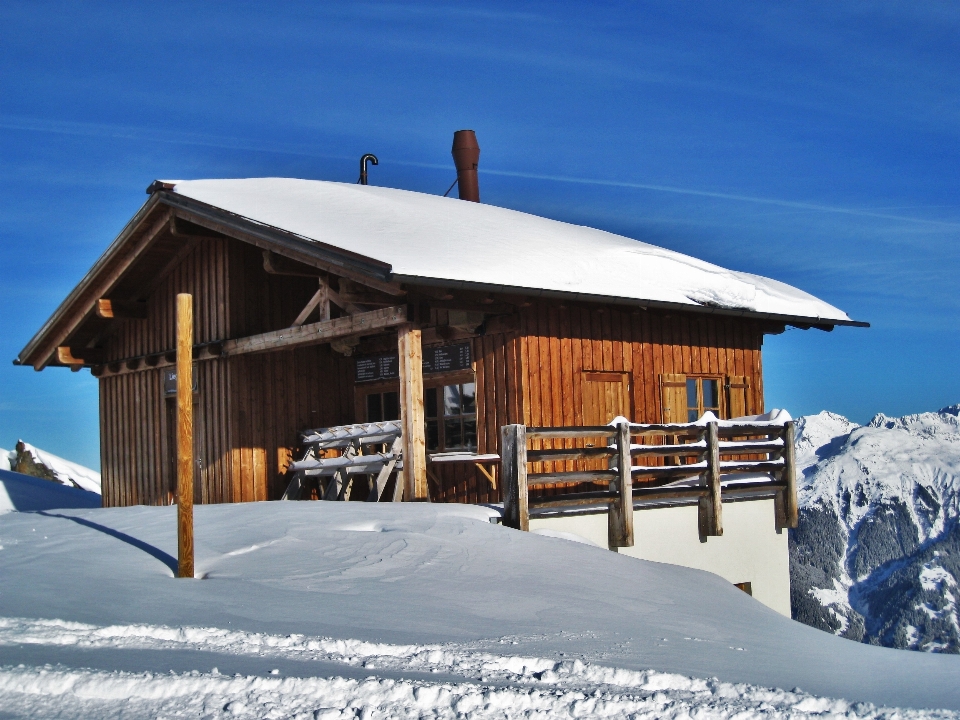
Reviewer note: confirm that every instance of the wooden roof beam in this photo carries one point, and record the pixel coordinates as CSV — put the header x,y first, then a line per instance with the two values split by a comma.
x,y
364,323
79,356
287,246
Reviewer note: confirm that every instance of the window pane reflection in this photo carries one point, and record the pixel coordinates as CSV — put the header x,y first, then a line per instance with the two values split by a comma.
x,y
451,417
711,394
451,400
470,433
469,397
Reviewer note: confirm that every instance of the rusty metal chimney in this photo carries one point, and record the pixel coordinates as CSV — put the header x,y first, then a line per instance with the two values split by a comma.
x,y
466,156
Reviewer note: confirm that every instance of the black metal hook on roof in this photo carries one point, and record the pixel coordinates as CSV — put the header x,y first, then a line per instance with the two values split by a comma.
x,y
363,167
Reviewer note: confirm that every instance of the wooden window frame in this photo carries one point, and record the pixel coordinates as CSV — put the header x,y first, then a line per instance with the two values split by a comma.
x,y
361,390
434,380
438,381
721,385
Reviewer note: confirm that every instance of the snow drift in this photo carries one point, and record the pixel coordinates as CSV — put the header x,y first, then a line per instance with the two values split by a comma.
x,y
404,610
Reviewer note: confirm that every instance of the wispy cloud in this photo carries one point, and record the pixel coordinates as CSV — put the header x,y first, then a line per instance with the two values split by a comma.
x,y
793,204
133,132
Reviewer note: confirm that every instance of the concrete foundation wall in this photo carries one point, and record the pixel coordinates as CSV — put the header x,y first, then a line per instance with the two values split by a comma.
x,y
750,550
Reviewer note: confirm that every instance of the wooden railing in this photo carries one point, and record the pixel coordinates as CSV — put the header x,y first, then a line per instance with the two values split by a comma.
x,y
693,468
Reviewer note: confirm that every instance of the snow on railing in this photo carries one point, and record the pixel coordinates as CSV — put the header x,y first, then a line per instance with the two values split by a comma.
x,y
707,461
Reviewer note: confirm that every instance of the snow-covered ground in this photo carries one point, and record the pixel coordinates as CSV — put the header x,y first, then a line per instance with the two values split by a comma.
x,y
877,554
407,610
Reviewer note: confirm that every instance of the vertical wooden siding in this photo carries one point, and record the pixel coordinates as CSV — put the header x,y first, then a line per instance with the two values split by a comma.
x,y
644,344
536,376
134,447
250,409
498,402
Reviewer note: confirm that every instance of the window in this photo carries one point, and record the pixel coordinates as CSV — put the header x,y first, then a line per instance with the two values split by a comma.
x,y
703,394
451,417
383,406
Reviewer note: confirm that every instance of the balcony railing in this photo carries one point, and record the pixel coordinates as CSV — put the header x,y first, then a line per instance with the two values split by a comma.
x,y
706,461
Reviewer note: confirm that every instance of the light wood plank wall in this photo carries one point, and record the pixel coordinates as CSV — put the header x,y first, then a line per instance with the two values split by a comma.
x,y
535,376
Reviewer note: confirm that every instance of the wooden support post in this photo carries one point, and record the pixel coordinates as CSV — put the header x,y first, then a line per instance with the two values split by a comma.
x,y
620,514
319,299
513,476
185,435
411,414
712,524
791,514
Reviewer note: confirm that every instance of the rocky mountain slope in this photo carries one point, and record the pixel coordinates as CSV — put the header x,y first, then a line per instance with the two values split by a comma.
x,y
876,556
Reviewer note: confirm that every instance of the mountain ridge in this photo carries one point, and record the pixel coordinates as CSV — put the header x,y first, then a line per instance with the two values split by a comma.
x,y
876,555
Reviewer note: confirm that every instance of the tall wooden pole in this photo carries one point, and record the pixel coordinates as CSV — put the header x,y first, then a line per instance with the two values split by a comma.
x,y
184,435
411,413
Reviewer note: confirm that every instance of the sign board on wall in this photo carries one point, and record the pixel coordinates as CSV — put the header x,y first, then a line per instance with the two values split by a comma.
x,y
170,381
437,359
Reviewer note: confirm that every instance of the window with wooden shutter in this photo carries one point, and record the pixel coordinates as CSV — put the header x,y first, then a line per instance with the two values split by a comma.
x,y
606,395
738,404
673,398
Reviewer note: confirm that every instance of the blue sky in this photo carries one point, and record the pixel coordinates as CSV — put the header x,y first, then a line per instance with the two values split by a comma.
x,y
816,143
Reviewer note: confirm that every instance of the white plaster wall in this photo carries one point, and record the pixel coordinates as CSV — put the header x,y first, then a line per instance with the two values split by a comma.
x,y
750,549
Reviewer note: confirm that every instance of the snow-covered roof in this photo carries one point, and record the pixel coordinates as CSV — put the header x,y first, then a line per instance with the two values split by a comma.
x,y
434,238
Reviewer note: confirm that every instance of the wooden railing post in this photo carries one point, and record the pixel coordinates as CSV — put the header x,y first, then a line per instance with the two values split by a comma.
x,y
790,511
620,513
711,506
185,435
513,472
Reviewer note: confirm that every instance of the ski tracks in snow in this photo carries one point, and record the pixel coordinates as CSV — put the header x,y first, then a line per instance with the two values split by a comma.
x,y
494,686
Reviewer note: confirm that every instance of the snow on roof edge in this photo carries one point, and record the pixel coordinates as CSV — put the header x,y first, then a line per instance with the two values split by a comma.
x,y
427,236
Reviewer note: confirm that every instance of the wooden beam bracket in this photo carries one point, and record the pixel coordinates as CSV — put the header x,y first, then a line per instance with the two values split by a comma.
x,y
116,309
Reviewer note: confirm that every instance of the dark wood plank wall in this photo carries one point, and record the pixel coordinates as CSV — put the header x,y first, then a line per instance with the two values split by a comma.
x,y
275,397
135,453
250,409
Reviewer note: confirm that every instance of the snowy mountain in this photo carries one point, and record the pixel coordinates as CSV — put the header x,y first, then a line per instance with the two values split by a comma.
x,y
30,460
876,556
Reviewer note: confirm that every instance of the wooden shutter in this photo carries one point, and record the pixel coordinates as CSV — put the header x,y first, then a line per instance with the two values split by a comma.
x,y
605,396
673,398
738,404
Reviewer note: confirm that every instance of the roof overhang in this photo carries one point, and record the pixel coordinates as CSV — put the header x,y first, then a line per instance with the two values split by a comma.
x,y
152,219
801,322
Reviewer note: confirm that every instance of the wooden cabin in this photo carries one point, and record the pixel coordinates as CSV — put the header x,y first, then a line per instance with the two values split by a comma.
x,y
320,303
